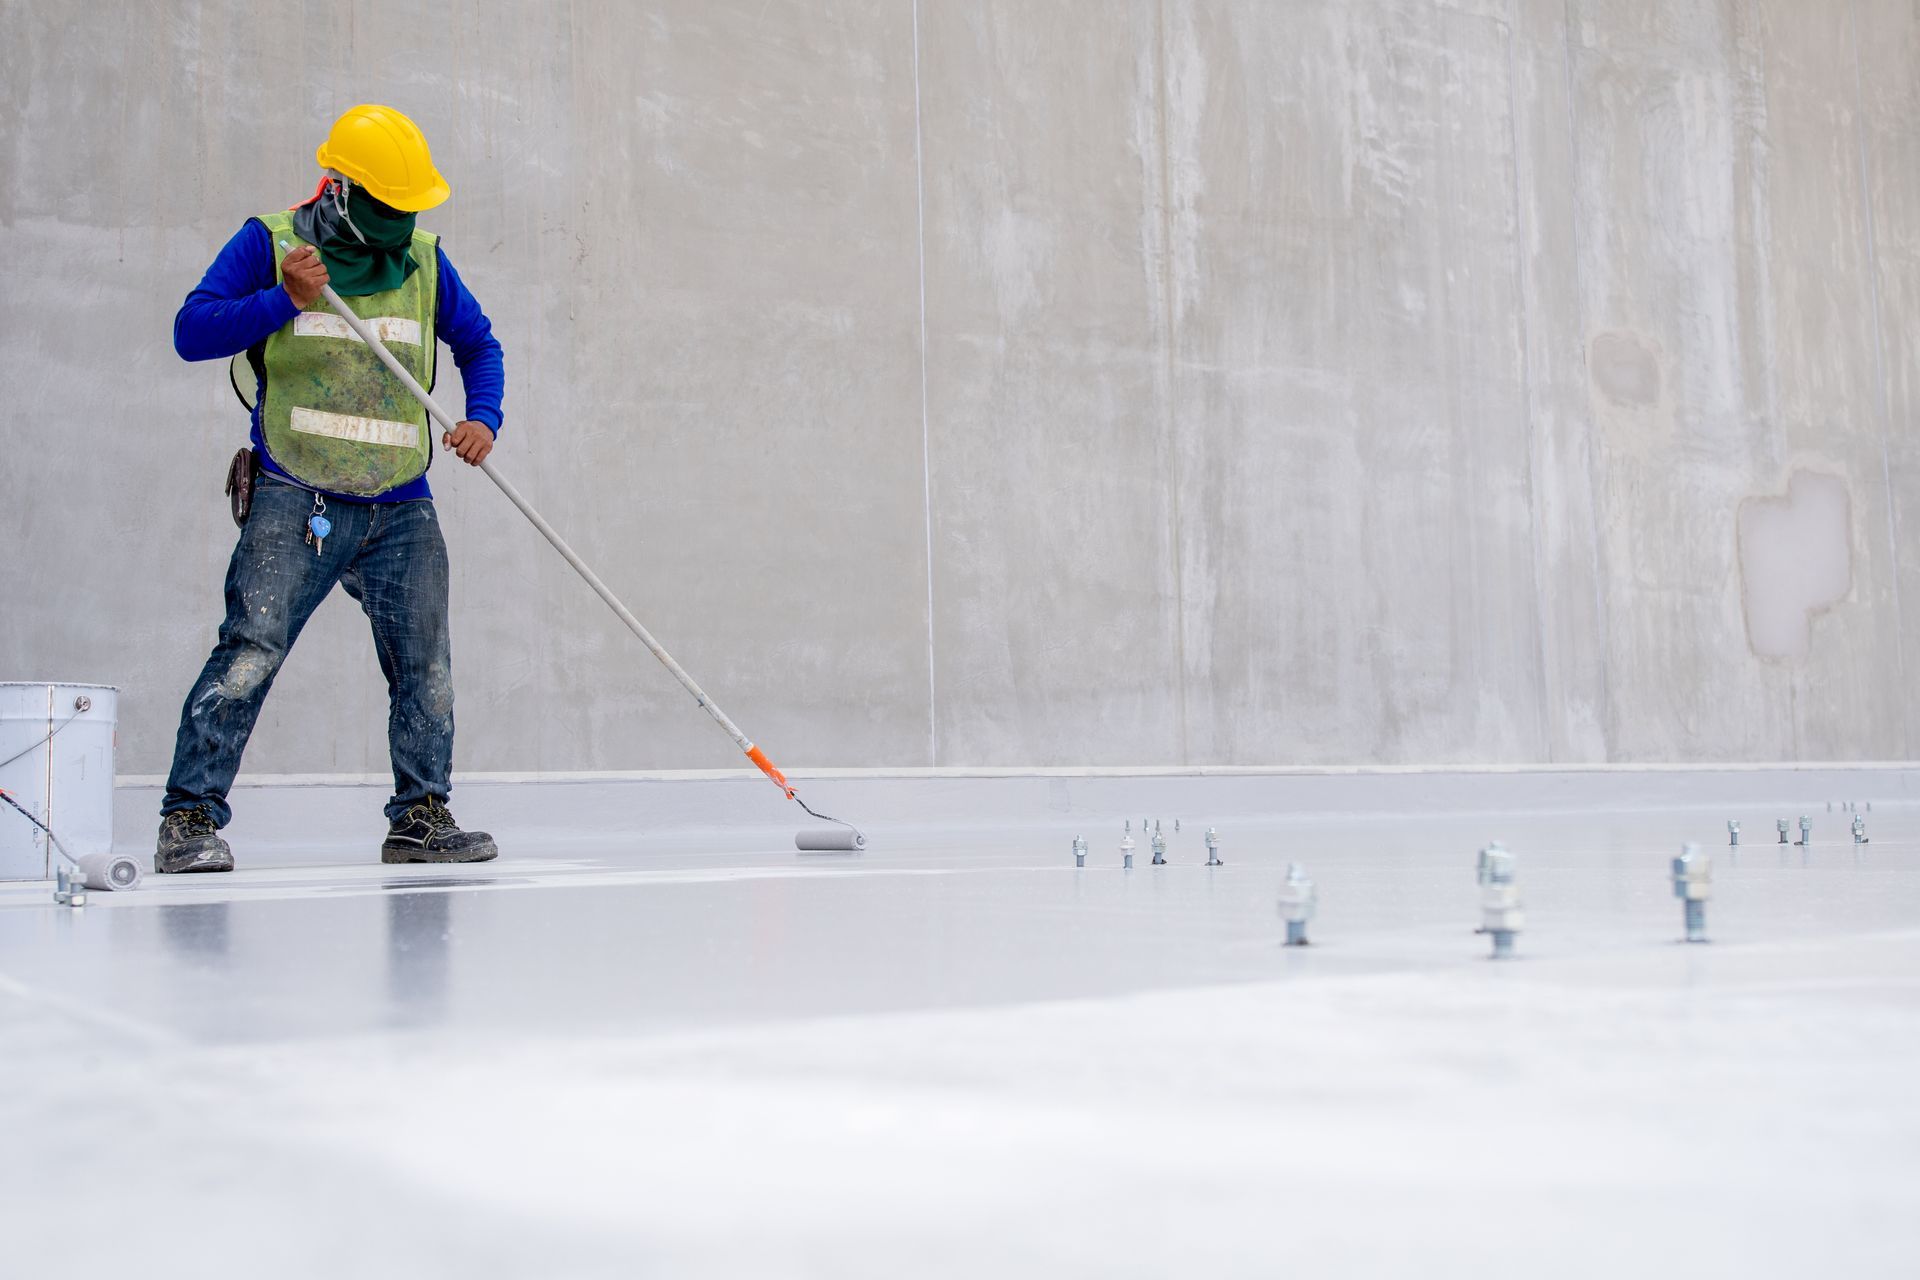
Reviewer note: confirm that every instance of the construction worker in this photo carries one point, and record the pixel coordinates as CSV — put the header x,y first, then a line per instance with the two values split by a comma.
x,y
340,451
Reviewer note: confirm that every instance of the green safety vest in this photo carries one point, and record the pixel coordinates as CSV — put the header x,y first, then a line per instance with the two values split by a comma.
x,y
334,417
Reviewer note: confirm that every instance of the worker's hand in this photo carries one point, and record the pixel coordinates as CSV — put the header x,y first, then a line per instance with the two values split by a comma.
x,y
302,274
471,440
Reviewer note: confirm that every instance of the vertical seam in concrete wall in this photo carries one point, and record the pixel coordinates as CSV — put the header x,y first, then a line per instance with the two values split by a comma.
x,y
1521,292
1882,410
926,433
1168,312
1600,611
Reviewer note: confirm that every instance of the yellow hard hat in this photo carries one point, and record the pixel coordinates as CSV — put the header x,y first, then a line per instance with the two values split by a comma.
x,y
387,154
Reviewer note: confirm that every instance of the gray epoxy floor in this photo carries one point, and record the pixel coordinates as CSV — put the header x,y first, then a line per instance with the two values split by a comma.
x,y
957,1055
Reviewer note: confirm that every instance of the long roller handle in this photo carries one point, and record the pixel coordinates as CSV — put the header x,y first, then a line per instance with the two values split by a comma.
x,y
547,531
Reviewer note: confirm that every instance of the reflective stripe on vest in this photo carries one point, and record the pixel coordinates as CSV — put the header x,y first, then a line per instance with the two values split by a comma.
x,y
389,329
333,416
345,426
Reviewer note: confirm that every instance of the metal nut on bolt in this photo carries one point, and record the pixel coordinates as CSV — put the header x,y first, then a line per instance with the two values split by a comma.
x,y
1693,885
69,890
1500,913
1298,900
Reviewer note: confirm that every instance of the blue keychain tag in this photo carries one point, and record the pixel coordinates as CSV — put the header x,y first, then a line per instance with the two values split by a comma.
x,y
320,526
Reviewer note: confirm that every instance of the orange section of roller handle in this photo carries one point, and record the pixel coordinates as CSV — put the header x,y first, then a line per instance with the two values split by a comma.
x,y
759,757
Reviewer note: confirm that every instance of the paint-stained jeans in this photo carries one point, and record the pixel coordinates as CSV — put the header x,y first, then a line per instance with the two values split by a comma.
x,y
391,558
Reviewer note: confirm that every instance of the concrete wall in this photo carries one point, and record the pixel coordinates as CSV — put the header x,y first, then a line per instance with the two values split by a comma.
x,y
1009,382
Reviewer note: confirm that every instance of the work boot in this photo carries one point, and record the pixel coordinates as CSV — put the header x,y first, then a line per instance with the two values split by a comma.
x,y
189,841
428,833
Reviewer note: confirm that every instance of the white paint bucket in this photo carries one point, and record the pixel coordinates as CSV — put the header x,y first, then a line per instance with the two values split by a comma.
x,y
56,742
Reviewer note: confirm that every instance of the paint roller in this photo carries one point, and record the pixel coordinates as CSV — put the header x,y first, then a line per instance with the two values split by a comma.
x,y
830,839
108,871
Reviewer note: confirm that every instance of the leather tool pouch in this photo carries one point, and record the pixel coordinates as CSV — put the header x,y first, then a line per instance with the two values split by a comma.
x,y
241,474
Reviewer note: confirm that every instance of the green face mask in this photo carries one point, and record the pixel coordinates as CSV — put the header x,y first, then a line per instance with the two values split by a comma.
x,y
375,260
383,226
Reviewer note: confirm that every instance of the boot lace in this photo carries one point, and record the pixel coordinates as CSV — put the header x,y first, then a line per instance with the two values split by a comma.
x,y
193,822
438,816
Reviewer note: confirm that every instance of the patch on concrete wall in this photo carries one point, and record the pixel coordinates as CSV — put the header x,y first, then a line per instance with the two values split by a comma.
x,y
1796,560
1626,370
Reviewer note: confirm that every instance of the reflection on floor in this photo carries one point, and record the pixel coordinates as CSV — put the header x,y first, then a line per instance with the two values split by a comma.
x,y
958,1055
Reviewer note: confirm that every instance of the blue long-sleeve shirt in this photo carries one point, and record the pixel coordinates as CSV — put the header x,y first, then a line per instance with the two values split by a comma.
x,y
240,302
